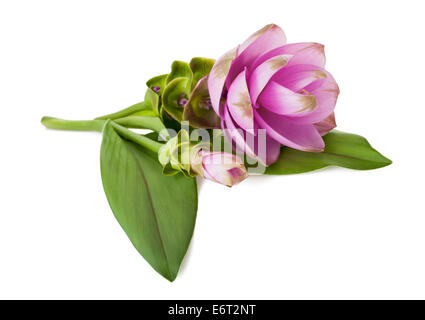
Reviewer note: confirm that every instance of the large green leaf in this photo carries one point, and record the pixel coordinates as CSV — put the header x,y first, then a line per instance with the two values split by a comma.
x,y
157,212
341,149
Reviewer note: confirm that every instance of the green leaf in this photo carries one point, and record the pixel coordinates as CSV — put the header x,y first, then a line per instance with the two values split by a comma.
x,y
341,149
200,68
174,91
157,212
198,110
179,69
158,81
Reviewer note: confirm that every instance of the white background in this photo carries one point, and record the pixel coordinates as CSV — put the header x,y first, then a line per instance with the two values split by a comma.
x,y
334,233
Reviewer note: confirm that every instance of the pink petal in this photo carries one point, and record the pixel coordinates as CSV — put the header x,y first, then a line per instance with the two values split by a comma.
x,y
236,134
264,40
298,136
326,125
307,53
228,177
217,78
239,103
299,76
238,175
304,53
326,92
247,143
273,150
256,35
261,75
310,80
226,160
281,100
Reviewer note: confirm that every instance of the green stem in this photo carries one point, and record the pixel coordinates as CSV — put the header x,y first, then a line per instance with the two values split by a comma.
x,y
136,122
124,113
137,138
78,125
97,125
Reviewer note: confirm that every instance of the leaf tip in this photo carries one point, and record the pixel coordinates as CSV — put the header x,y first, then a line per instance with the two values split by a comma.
x,y
387,162
170,278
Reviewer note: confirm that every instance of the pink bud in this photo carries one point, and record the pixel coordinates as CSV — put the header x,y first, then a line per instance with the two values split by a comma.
x,y
221,167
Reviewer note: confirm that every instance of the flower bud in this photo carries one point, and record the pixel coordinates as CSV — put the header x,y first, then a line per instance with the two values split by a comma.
x,y
179,155
221,167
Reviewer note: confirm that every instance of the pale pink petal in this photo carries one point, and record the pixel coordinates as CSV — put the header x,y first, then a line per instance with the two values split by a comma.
x,y
256,35
266,39
261,75
224,159
307,53
298,136
238,175
326,125
236,134
249,144
299,76
273,150
310,81
217,78
326,92
223,167
304,53
281,100
214,173
239,103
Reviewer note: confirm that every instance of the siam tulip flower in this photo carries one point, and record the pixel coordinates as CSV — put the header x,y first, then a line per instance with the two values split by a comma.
x,y
179,155
281,88
221,167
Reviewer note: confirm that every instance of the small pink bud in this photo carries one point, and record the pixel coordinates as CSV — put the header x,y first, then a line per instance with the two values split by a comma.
x,y
221,167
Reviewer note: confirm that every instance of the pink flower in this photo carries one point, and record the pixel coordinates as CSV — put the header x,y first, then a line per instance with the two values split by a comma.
x,y
221,167
282,88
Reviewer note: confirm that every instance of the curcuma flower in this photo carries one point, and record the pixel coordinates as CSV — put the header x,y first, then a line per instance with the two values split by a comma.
x,y
179,155
280,88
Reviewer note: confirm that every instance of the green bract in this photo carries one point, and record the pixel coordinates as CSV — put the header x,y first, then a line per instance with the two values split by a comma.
x,y
182,85
158,81
179,69
200,67
198,110
177,154
174,92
